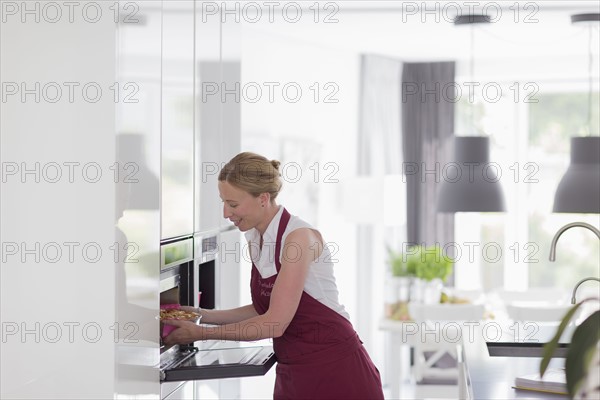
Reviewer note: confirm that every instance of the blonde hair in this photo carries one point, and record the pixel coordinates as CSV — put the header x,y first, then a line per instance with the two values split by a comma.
x,y
253,173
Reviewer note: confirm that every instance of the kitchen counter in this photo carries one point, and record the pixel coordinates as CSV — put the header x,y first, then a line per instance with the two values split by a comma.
x,y
492,377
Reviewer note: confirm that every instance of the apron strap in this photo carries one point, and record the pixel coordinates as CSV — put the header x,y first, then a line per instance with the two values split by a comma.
x,y
283,222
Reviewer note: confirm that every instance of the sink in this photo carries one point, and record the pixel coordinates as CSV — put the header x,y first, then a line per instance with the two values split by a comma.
x,y
537,311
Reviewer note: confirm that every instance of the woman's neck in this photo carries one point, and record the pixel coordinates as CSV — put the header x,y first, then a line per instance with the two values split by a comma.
x,y
270,213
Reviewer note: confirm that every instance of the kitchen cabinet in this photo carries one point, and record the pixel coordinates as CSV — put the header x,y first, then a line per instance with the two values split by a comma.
x,y
139,140
231,125
177,127
201,125
137,196
228,292
217,113
228,266
208,115
57,296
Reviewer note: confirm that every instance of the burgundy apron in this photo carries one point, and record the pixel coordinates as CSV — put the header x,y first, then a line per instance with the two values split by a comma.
x,y
320,355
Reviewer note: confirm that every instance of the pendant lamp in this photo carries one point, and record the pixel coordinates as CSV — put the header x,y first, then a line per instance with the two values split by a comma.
x,y
579,189
471,183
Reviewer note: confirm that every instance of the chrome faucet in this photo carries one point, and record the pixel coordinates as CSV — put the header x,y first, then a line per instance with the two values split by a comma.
x,y
564,228
553,250
573,299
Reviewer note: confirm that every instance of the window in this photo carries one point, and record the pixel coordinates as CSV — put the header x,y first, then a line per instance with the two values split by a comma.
x,y
530,143
552,122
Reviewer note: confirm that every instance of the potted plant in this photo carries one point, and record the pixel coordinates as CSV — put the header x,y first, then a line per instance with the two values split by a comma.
x,y
422,270
432,263
582,365
433,267
398,285
402,264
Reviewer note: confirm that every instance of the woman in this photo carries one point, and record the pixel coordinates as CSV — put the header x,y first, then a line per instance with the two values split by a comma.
x,y
294,295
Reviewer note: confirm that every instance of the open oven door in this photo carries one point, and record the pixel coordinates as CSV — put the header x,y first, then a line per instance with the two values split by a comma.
x,y
217,363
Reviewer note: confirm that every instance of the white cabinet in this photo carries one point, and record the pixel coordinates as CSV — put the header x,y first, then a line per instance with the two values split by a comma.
x,y
217,113
209,112
231,94
177,113
61,305
228,270
138,197
131,125
208,116
228,292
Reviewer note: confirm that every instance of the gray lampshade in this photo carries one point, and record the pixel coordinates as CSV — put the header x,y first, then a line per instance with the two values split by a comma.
x,y
579,189
470,183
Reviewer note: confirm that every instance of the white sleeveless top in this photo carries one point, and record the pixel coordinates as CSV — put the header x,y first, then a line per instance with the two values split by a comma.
x,y
320,281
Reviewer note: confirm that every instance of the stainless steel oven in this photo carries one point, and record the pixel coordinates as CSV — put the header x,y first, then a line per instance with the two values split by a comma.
x,y
189,267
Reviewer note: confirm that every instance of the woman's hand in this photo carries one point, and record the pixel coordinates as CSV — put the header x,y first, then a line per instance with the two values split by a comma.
x,y
186,332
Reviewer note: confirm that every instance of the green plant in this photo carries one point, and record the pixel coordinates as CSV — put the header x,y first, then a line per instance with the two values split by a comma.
x,y
402,264
433,263
426,263
582,349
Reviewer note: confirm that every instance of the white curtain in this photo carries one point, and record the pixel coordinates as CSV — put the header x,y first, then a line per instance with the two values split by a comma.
x,y
380,140
379,154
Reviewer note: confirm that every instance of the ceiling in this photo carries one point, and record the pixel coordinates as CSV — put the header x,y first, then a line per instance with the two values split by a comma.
x,y
537,34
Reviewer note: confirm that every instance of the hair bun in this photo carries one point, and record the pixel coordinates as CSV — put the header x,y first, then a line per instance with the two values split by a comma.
x,y
275,164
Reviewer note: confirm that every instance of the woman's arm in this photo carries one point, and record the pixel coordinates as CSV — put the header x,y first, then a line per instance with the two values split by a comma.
x,y
302,247
221,317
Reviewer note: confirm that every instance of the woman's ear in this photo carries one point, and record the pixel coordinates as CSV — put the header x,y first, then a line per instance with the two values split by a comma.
x,y
265,198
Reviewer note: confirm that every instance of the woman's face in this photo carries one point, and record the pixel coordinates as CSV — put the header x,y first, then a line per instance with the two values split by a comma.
x,y
240,207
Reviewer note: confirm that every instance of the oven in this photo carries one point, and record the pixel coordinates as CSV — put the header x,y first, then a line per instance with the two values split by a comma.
x,y
189,274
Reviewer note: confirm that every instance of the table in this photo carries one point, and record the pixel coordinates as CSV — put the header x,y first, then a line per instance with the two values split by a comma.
x,y
399,337
481,375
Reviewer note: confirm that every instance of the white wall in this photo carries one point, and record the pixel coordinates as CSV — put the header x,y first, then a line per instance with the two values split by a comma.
x,y
328,128
332,129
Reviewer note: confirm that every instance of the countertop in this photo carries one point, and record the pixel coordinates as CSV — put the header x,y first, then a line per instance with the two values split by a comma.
x,y
493,377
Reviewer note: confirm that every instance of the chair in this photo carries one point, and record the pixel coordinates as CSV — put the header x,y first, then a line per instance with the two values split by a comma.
x,y
441,328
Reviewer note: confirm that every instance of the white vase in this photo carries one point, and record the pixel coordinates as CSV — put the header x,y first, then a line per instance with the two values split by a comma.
x,y
426,292
417,290
432,291
397,296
